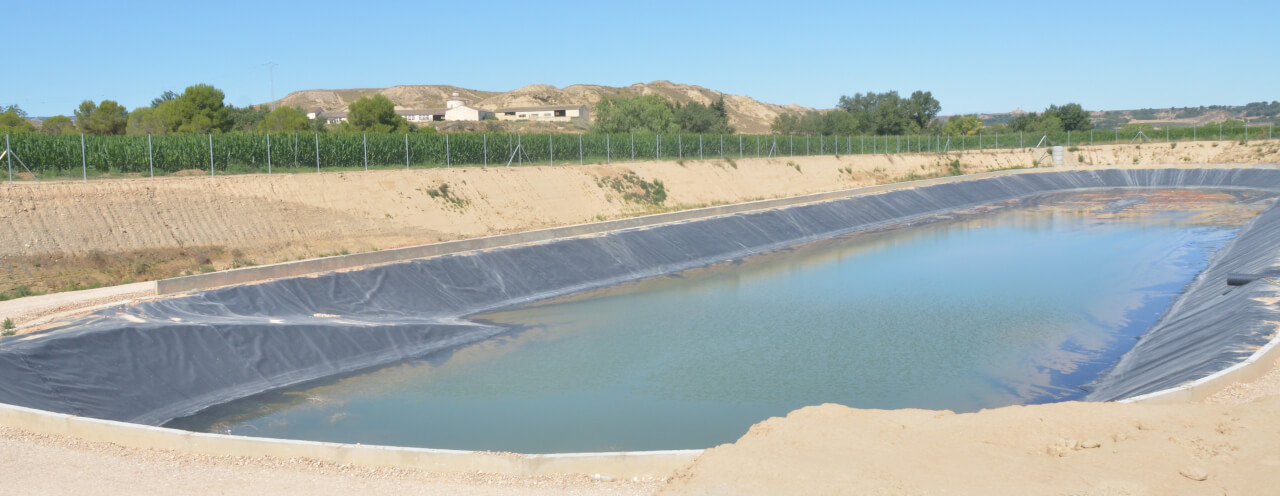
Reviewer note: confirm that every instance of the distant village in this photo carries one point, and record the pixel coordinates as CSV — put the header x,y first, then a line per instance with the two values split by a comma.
x,y
457,108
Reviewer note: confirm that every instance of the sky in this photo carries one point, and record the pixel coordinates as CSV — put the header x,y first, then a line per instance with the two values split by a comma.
x,y
973,56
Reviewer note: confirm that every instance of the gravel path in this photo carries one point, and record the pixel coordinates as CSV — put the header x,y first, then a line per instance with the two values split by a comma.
x,y
35,310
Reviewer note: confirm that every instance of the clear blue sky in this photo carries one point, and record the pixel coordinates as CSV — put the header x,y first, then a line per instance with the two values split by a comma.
x,y
978,57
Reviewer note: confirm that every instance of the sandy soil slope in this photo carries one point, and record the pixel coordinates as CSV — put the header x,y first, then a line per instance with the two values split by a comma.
x,y
57,236
1229,445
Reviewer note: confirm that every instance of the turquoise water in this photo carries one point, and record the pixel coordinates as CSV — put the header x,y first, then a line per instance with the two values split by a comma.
x,y
1018,306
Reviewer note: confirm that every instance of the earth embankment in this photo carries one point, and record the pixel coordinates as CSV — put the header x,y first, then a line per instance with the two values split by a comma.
x,y
65,235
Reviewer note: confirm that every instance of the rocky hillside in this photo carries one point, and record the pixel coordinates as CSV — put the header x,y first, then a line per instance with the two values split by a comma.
x,y
745,113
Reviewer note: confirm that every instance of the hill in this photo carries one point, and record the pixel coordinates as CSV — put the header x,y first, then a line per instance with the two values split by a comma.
x,y
746,114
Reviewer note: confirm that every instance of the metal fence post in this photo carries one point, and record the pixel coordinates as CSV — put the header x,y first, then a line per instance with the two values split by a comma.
x,y
317,152
8,154
151,162
1219,131
1068,137
792,147
447,161
679,147
406,151
84,163
268,154
1090,137
699,147
1117,136
608,152
657,146
739,147
633,146
862,148
365,153
211,174
551,150
606,139
722,146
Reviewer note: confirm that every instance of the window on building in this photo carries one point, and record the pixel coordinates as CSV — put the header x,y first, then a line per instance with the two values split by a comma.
x,y
509,113
560,113
437,117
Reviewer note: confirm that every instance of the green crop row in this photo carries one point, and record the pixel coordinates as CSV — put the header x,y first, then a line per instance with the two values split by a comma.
x,y
55,155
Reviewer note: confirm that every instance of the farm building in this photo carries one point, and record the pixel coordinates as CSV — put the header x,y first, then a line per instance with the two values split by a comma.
x,y
561,113
423,115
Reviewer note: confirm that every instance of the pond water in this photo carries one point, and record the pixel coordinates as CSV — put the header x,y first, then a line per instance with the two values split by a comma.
x,y
1017,305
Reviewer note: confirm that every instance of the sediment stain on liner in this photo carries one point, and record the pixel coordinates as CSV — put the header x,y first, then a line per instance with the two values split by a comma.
x,y
1015,306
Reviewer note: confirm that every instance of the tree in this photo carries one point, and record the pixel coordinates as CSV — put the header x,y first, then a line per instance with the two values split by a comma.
x,y
643,113
107,117
167,96
922,107
880,113
246,119
153,120
58,124
13,120
698,118
284,119
831,122
962,125
320,123
199,109
1073,117
13,109
375,114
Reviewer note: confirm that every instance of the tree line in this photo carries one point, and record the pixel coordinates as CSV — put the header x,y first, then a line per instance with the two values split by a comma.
x,y
201,109
654,114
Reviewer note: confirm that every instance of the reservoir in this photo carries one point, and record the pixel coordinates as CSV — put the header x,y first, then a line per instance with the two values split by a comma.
x,y
1018,303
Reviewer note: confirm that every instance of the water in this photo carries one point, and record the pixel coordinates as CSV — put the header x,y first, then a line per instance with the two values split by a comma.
x,y
1016,306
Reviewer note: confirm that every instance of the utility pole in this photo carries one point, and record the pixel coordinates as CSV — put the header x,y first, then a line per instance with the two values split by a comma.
x,y
271,74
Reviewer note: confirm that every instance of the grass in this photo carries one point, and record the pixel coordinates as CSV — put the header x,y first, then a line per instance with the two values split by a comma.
x,y
442,192
634,189
19,292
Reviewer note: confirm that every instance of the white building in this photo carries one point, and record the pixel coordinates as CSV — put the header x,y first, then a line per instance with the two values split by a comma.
x,y
422,115
559,113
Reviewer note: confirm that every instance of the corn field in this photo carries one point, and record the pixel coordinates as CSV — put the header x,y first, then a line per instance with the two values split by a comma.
x,y
77,155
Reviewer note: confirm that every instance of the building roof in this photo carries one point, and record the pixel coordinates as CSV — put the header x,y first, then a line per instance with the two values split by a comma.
x,y
544,107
